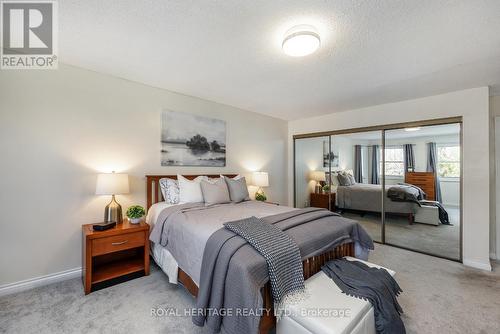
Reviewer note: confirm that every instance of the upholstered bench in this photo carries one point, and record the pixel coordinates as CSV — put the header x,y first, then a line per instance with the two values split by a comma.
x,y
427,213
328,311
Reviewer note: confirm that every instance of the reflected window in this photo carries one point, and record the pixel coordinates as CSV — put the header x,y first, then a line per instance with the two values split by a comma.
x,y
448,160
394,161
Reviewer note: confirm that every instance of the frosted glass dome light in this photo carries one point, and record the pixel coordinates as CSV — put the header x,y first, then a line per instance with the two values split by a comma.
x,y
300,41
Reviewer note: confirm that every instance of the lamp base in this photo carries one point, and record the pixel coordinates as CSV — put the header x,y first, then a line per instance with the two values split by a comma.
x,y
113,212
318,189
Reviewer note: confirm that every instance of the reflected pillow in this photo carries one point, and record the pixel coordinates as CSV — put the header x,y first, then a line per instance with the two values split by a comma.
x,y
238,190
344,180
335,180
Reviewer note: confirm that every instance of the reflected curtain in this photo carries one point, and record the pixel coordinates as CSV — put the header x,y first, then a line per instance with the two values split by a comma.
x,y
432,167
358,167
409,158
374,179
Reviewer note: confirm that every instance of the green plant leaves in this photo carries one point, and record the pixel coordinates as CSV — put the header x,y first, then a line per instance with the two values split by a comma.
x,y
135,211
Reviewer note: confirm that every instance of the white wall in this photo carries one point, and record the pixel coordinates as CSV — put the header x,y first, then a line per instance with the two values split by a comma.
x,y
59,128
473,106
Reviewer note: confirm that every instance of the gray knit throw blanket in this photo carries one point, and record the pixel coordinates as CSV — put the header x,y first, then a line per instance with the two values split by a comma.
x,y
376,285
282,256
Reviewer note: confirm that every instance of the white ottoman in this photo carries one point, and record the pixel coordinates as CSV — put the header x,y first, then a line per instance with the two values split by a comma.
x,y
427,214
328,310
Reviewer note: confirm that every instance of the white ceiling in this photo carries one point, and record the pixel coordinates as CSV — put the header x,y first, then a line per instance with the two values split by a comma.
x,y
229,51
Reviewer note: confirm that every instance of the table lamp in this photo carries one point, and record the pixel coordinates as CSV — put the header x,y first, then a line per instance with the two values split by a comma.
x,y
112,184
318,176
260,179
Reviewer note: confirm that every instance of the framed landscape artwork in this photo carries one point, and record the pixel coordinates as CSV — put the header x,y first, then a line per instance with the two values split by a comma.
x,y
192,140
331,157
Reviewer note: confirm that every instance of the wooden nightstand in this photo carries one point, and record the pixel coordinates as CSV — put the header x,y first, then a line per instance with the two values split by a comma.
x,y
323,201
114,253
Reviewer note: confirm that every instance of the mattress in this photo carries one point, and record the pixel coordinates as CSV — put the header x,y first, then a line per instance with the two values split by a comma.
x,y
154,211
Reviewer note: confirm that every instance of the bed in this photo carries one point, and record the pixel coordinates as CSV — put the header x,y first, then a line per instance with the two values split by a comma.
x,y
184,267
367,198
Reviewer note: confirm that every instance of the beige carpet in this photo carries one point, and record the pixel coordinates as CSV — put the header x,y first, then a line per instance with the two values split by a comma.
x,y
439,296
441,240
442,296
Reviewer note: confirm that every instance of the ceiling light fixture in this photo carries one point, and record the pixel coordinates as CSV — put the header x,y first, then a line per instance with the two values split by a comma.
x,y
412,129
300,41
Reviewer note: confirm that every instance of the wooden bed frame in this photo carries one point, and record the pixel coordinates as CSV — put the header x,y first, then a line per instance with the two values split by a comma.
x,y
310,265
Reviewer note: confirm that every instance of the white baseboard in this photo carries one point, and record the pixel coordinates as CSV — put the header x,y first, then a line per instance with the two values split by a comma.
x,y
478,265
31,283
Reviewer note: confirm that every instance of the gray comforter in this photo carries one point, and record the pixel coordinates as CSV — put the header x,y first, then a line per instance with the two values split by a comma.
x,y
233,272
368,197
406,193
184,229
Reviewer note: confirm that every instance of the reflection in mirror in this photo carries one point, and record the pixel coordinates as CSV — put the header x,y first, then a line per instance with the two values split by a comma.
x,y
418,207
355,177
311,168
422,176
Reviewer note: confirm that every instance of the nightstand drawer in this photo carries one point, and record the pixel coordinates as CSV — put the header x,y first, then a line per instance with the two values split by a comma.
x,y
117,243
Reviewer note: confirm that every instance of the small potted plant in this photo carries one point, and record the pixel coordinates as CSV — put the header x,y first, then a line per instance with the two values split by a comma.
x,y
135,214
260,197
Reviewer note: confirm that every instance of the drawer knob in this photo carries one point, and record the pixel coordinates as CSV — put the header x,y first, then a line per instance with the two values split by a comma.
x,y
119,243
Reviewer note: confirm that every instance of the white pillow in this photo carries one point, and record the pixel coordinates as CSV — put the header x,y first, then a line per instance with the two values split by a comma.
x,y
335,180
190,190
349,172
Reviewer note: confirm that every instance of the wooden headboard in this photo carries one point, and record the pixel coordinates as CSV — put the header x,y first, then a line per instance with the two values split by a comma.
x,y
153,190
423,180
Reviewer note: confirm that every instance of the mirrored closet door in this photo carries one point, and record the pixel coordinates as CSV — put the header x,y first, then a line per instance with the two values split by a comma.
x,y
356,181
312,166
401,182
422,182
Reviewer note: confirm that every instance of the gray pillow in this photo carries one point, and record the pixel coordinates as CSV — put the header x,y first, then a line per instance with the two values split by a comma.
x,y
344,180
215,192
238,190
352,180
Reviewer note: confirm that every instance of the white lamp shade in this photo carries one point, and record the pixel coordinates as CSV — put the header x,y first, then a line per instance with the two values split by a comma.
x,y
260,179
317,175
112,184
